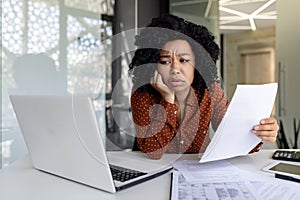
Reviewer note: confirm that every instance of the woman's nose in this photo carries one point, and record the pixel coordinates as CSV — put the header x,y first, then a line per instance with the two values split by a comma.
x,y
175,67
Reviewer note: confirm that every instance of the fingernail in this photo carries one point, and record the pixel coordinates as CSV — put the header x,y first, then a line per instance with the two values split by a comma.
x,y
256,128
262,121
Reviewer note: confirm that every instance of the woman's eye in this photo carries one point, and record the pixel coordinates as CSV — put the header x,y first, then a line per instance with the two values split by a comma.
x,y
184,60
164,62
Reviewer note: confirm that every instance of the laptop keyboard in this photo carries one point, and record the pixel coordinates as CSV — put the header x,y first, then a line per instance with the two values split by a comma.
x,y
123,174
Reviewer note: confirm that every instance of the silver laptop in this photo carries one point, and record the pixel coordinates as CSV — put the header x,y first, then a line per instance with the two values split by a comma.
x,y
63,138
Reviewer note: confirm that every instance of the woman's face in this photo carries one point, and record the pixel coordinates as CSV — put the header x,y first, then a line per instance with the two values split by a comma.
x,y
176,65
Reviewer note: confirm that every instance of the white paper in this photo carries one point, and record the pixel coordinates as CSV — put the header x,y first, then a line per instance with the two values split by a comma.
x,y
222,180
212,180
250,104
274,190
183,190
217,171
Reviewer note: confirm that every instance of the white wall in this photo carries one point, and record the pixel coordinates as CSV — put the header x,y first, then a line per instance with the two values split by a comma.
x,y
288,62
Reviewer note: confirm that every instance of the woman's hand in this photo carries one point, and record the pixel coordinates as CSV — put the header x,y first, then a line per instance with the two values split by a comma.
x,y
157,82
267,129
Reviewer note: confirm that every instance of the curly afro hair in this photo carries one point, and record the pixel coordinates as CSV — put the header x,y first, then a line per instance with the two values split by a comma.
x,y
167,28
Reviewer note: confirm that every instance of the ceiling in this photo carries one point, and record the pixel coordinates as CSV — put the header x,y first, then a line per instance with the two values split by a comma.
x,y
235,15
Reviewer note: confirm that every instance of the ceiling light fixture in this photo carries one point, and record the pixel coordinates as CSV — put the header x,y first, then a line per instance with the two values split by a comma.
x,y
234,14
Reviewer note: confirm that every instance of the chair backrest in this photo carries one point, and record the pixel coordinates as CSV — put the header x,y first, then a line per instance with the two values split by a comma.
x,y
282,140
135,145
296,132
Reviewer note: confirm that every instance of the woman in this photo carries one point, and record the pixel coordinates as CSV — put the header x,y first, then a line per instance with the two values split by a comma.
x,y
176,93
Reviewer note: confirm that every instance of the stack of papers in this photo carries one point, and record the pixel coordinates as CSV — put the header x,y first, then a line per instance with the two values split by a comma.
x,y
221,180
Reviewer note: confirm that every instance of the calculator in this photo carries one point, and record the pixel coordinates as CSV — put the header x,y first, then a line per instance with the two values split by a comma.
x,y
287,155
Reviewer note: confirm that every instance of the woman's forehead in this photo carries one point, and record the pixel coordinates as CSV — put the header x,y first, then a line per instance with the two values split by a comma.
x,y
177,47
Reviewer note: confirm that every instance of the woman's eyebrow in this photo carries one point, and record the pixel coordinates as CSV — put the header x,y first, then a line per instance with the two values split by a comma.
x,y
183,54
167,55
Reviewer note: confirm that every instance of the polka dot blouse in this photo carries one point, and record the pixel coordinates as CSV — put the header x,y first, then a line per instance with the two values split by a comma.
x,y
158,129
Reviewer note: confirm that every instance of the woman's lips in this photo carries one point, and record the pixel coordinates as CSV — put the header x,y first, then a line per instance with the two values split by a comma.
x,y
176,82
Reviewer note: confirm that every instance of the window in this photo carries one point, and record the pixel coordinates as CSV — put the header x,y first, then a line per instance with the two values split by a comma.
x,y
52,47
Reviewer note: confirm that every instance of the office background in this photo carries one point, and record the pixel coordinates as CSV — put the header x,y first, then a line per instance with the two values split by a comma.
x,y
68,47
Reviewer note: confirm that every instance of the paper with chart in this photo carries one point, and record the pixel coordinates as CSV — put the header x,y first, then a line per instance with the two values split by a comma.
x,y
249,104
212,180
182,190
222,180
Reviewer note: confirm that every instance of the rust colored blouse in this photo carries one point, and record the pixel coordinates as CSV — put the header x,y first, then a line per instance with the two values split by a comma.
x,y
158,129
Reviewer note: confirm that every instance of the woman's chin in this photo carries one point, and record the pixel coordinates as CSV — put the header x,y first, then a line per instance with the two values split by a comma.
x,y
181,88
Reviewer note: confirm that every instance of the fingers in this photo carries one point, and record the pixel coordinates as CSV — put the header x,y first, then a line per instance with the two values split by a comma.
x,y
267,129
270,120
153,78
267,136
157,82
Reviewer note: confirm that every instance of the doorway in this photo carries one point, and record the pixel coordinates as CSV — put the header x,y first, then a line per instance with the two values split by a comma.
x,y
257,66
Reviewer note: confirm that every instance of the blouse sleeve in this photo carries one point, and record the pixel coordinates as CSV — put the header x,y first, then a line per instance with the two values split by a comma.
x,y
155,124
257,148
219,105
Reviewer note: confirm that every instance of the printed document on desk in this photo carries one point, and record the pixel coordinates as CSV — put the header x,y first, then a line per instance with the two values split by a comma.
x,y
222,180
212,180
249,104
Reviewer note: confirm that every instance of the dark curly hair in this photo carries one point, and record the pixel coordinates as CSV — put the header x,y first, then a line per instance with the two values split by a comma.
x,y
167,28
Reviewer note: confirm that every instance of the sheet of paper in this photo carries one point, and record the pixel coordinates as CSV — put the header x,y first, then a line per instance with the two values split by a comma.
x,y
183,190
222,180
266,190
217,171
212,180
249,104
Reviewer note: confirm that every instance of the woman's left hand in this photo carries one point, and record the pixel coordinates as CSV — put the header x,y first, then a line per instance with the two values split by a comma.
x,y
267,129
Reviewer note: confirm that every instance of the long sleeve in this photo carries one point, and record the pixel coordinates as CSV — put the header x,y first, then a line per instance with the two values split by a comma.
x,y
155,124
219,105
257,148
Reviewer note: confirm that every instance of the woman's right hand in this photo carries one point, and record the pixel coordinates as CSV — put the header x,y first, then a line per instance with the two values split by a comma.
x,y
157,82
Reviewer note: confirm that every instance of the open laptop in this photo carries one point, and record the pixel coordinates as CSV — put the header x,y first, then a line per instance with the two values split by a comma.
x,y
63,138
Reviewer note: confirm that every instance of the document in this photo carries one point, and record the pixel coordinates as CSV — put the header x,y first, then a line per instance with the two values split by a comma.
x,y
218,171
221,180
249,104
212,180
182,190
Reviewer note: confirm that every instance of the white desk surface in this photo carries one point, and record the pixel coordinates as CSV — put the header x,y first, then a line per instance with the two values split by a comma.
x,y
21,181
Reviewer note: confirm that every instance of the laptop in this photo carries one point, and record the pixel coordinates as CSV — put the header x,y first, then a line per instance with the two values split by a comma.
x,y
63,138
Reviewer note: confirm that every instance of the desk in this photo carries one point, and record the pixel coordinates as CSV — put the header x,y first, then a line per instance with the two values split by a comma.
x,y
20,181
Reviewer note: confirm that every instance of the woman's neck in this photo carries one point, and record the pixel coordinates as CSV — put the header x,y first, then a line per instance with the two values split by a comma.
x,y
181,96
